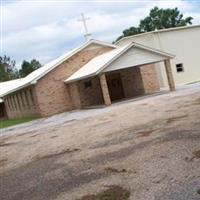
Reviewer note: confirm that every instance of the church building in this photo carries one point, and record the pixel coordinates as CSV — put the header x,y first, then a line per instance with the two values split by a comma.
x,y
96,73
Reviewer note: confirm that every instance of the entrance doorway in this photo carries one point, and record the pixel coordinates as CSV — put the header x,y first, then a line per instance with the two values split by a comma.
x,y
115,86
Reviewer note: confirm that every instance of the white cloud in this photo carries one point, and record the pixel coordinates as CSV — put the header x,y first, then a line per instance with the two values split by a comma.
x,y
43,30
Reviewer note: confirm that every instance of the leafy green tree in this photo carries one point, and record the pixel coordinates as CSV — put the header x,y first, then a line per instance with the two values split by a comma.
x,y
28,67
7,69
158,19
163,18
130,31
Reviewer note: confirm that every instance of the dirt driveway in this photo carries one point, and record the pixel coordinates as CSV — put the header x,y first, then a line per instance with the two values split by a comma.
x,y
149,148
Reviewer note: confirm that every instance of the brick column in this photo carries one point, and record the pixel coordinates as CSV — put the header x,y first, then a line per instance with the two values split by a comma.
x,y
75,95
104,88
170,77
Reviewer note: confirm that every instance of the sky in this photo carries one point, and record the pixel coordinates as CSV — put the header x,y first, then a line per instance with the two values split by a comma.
x,y
46,29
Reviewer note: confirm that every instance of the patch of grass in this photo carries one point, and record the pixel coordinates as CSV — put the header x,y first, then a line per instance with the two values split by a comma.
x,y
12,122
114,192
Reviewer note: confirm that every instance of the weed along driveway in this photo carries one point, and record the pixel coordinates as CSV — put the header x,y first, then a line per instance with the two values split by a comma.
x,y
138,150
11,122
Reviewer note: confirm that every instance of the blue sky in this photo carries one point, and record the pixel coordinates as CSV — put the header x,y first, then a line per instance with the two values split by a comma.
x,y
45,29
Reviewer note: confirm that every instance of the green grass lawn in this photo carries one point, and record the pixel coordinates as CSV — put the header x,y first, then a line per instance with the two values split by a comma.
x,y
12,122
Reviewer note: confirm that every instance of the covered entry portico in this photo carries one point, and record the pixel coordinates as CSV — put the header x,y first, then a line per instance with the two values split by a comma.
x,y
121,73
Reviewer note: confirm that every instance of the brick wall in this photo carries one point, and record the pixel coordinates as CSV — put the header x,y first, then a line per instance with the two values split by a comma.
x,y
135,81
149,78
22,103
52,93
83,94
75,95
139,80
132,82
90,95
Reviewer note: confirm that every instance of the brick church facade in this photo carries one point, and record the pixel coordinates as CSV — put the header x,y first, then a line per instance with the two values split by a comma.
x,y
47,91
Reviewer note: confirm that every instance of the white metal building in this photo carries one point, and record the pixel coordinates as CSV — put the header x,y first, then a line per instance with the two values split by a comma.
x,y
183,42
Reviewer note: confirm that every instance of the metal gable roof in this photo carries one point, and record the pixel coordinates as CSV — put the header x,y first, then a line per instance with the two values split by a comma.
x,y
42,71
95,65
9,85
99,63
158,31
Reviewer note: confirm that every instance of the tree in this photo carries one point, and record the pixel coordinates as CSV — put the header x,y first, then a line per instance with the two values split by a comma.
x,y
28,67
7,69
164,18
158,19
130,31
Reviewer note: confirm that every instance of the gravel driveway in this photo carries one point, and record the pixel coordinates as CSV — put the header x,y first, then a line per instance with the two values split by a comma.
x,y
150,147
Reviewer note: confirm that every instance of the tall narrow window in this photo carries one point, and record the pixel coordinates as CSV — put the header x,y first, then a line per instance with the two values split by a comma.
x,y
26,98
13,102
32,98
22,99
16,102
8,103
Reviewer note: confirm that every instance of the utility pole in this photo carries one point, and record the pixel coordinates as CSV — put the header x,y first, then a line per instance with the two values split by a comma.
x,y
87,34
